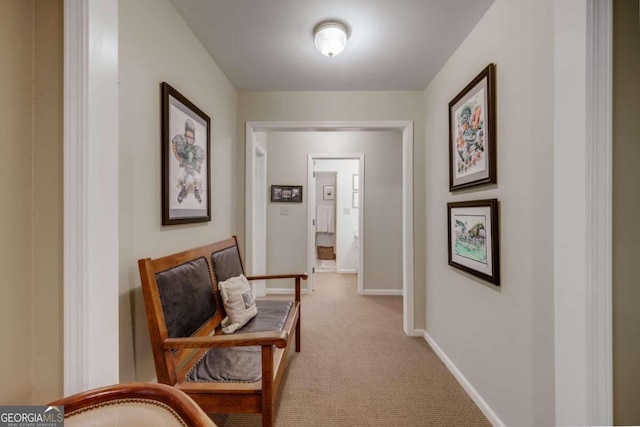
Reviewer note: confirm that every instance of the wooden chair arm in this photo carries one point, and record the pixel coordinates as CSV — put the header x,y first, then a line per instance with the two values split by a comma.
x,y
93,402
302,276
277,338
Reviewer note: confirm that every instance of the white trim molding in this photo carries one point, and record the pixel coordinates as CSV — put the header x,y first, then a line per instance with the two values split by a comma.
x,y
76,86
249,191
286,291
470,389
383,292
406,127
599,233
91,296
582,212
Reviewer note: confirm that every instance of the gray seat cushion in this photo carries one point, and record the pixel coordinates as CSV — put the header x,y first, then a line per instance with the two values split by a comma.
x,y
241,364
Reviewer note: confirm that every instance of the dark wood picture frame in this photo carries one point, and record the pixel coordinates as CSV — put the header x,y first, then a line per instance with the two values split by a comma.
x,y
472,133
186,160
474,238
286,193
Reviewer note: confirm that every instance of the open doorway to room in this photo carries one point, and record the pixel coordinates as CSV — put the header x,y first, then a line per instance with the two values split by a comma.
x,y
325,223
335,227
288,219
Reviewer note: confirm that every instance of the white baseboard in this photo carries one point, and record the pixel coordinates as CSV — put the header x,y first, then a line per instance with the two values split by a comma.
x,y
471,391
382,292
259,288
284,291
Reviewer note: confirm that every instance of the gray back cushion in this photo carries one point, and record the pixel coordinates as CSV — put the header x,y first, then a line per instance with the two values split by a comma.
x,y
226,263
186,294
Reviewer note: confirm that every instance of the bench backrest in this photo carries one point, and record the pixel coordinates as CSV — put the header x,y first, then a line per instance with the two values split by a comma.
x,y
182,299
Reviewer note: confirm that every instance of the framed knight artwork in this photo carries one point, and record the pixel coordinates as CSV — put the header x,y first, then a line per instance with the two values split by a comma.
x,y
186,160
472,133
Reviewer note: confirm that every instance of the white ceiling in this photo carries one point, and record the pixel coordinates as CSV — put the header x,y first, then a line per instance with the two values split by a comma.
x,y
393,44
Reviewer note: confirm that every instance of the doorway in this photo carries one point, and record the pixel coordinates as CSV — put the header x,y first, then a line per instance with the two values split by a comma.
x,y
255,129
336,216
325,222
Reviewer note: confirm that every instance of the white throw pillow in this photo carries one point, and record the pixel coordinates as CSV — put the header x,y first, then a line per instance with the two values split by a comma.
x,y
238,301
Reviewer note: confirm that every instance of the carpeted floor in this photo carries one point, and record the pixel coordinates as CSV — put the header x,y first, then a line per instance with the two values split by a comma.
x,y
358,368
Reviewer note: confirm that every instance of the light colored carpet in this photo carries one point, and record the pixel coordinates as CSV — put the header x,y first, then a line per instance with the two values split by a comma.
x,y
358,368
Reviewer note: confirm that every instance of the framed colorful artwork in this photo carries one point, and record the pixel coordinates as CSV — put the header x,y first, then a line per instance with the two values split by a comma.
x,y
472,133
186,160
474,242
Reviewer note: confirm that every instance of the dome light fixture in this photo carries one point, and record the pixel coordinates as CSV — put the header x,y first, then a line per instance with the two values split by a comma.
x,y
331,37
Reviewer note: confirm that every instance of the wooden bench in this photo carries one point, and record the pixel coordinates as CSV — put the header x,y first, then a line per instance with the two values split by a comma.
x,y
235,373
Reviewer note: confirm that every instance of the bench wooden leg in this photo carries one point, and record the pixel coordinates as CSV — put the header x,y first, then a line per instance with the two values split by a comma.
x,y
267,418
267,386
297,297
298,332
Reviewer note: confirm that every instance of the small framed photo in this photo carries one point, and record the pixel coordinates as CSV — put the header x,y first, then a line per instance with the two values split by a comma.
x,y
472,133
328,192
356,182
355,200
474,243
186,160
286,193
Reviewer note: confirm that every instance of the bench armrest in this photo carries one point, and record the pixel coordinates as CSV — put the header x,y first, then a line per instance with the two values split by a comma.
x,y
302,276
297,277
277,338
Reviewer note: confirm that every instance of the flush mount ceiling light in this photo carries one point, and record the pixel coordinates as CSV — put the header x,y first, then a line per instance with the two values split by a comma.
x,y
331,37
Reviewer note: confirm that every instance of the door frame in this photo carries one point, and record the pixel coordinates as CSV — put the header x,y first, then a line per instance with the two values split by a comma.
x,y
582,212
406,128
90,252
259,263
311,214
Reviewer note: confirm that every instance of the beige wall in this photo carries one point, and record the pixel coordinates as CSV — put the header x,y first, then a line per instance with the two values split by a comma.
x,y
16,132
47,356
31,222
345,106
287,154
155,45
626,212
501,339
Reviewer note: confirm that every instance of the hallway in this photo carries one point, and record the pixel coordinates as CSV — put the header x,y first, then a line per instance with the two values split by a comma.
x,y
358,368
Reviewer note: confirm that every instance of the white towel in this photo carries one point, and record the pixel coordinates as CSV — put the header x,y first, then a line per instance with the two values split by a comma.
x,y
324,219
326,264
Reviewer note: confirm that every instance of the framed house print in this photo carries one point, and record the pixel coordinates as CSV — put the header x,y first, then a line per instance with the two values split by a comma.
x,y
286,193
186,160
472,133
474,244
